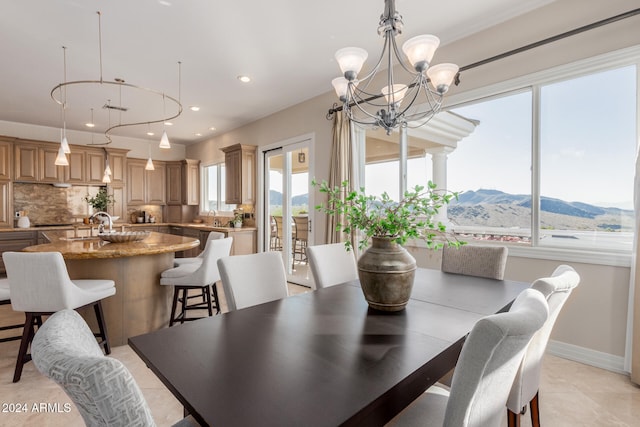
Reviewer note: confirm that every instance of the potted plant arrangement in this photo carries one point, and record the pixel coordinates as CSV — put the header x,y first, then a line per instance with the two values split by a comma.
x,y
237,220
386,270
101,201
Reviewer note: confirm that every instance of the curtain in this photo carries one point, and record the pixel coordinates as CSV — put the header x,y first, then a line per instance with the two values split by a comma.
x,y
343,167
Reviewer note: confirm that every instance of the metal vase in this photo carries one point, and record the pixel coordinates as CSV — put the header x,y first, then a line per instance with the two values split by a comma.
x,y
386,272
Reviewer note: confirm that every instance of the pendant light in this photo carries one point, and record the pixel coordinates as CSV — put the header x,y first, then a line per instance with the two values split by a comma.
x,y
64,144
149,166
164,140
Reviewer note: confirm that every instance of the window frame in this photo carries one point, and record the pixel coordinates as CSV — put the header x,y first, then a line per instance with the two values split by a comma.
x,y
204,186
534,82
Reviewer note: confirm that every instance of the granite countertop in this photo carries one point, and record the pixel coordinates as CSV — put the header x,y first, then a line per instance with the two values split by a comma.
x,y
74,245
117,226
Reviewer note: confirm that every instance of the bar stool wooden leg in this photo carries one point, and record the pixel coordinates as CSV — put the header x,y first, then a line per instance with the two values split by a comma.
x,y
102,327
214,289
535,411
174,305
513,419
208,301
27,337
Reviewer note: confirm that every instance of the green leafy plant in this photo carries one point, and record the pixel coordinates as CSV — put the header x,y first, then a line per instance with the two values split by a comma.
x,y
410,218
101,201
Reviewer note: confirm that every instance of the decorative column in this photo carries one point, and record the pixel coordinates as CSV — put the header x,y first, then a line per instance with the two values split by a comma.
x,y
439,163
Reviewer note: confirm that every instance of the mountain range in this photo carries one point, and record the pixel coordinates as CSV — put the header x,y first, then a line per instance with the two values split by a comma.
x,y
500,209
496,208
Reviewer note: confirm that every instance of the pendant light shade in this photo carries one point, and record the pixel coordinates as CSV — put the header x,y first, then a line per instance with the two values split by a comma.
x,y
61,159
164,141
149,165
106,179
65,145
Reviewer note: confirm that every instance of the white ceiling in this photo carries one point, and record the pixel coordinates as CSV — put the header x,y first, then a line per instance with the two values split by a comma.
x,y
285,46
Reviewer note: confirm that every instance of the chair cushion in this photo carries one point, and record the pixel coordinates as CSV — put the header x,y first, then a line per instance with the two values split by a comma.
x,y
181,271
4,290
94,284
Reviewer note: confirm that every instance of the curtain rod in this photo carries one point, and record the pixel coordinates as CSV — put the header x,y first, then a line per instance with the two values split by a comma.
x,y
525,48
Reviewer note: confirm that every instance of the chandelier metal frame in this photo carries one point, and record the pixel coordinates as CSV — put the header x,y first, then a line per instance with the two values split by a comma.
x,y
58,93
410,105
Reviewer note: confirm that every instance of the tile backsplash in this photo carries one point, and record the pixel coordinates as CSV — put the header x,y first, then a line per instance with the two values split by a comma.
x,y
46,204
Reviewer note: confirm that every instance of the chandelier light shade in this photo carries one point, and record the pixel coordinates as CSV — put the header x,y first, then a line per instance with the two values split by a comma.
x,y
126,116
409,103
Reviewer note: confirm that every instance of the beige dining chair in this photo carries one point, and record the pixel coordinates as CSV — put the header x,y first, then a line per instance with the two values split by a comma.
x,y
331,264
201,276
524,391
5,299
301,233
213,235
102,388
40,285
253,279
475,260
485,370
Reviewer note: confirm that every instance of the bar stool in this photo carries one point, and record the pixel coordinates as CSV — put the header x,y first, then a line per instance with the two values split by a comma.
x,y
214,235
40,285
202,276
5,300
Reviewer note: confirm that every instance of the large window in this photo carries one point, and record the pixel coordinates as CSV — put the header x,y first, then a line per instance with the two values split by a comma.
x,y
586,143
213,189
551,164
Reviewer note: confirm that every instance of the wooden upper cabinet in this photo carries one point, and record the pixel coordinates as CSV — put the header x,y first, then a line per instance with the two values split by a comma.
x,y
75,172
25,163
183,182
174,183
95,164
136,182
156,185
145,187
117,164
6,157
240,165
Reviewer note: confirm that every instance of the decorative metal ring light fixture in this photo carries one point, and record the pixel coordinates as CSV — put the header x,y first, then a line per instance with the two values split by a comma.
x,y
58,94
384,107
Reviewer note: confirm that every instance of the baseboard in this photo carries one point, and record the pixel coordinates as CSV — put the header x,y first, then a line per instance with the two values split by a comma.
x,y
587,356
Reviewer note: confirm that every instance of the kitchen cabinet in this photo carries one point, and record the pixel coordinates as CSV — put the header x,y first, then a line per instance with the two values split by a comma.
x,y
6,203
6,156
25,163
183,182
240,167
75,173
15,241
119,207
145,187
95,164
117,163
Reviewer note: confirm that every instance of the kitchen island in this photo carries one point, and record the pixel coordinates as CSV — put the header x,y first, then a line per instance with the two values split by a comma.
x,y
140,304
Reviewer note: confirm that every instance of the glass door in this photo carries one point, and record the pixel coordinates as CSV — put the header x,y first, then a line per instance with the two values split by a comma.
x,y
288,222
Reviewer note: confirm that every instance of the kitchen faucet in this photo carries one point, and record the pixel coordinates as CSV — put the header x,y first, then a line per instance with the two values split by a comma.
x,y
101,225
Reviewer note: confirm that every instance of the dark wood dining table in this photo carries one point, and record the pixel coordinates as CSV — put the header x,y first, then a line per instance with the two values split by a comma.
x,y
321,358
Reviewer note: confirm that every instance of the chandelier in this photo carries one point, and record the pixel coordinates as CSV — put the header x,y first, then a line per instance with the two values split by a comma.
x,y
396,104
59,95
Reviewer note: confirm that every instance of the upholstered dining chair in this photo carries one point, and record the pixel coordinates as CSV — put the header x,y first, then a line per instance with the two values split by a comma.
x,y
301,234
485,370
213,235
524,391
253,279
197,275
331,264
5,299
102,388
475,260
40,285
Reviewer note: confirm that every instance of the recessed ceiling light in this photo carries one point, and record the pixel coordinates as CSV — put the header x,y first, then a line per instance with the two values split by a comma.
x,y
198,134
90,125
194,108
150,133
168,123
244,79
212,128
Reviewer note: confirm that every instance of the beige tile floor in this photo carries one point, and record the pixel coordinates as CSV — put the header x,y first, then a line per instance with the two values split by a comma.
x,y
571,394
